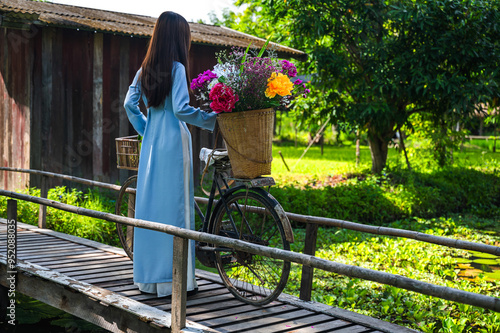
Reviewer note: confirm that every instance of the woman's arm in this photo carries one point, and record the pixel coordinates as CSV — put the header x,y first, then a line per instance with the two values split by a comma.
x,y
180,102
131,104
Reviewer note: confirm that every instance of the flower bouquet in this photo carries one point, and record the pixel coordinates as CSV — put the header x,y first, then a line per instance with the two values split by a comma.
x,y
244,90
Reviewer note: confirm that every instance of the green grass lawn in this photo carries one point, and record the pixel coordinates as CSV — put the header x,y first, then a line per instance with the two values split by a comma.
x,y
341,160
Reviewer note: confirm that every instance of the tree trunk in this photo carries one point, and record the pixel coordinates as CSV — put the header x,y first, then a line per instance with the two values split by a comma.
x,y
358,153
403,147
379,148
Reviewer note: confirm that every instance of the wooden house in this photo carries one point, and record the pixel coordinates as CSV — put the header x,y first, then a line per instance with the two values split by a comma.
x,y
64,73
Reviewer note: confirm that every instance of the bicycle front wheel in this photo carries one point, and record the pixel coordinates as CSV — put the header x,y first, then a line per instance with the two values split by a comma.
x,y
249,215
125,206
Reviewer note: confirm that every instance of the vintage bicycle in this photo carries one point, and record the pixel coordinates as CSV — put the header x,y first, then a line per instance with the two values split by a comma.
x,y
236,208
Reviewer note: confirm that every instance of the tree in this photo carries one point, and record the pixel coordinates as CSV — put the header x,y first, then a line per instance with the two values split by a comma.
x,y
378,62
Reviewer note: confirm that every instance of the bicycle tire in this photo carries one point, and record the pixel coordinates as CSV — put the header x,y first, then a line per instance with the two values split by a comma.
x,y
125,206
253,279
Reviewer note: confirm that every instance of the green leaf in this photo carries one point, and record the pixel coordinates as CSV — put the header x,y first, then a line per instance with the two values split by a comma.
x,y
485,261
244,58
483,255
261,52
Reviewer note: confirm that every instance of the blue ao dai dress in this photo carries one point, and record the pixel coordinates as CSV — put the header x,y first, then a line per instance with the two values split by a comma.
x,y
165,190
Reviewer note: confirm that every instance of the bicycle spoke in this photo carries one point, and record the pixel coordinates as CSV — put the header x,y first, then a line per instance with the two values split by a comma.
x,y
125,206
252,278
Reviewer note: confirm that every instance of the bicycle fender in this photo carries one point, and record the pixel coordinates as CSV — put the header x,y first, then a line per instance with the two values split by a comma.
x,y
285,222
287,227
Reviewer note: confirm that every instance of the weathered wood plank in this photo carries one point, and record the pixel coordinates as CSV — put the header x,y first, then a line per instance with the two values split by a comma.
x,y
110,273
59,254
221,298
161,304
228,307
97,112
88,263
114,283
353,329
325,326
36,242
251,320
123,289
70,259
28,248
106,279
294,324
103,271
207,312
52,251
203,291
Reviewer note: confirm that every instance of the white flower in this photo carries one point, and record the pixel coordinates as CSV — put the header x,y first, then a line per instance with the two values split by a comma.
x,y
224,70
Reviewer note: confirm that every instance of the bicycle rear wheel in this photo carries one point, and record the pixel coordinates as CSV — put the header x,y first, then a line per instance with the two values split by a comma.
x,y
250,216
125,206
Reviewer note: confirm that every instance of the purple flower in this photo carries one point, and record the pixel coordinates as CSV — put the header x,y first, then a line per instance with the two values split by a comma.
x,y
297,82
202,79
288,68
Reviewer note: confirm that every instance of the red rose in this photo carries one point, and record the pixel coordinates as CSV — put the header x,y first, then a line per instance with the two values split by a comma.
x,y
223,98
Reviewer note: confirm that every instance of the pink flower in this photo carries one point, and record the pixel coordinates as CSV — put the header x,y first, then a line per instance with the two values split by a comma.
x,y
288,68
223,98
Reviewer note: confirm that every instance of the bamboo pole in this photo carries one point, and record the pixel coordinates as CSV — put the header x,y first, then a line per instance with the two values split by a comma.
x,y
451,294
384,231
65,177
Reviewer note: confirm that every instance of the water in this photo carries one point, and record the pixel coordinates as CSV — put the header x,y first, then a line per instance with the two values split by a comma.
x,y
479,263
35,316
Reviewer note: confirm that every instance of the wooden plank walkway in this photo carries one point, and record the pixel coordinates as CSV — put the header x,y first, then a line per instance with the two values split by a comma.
x,y
94,281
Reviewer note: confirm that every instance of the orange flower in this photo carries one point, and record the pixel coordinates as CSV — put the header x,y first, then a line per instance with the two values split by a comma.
x,y
279,84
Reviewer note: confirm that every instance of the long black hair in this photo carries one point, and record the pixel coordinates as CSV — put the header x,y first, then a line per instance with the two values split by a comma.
x,y
170,42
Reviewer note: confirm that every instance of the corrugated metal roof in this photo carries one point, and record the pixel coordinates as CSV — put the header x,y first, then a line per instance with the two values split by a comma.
x,y
46,13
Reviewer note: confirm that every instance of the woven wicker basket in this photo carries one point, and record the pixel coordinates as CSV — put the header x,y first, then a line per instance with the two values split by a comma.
x,y
127,152
248,136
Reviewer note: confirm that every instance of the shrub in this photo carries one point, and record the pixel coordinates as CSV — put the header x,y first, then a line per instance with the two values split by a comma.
x,y
399,194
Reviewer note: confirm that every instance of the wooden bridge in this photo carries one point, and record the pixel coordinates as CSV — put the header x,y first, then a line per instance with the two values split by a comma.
x,y
94,282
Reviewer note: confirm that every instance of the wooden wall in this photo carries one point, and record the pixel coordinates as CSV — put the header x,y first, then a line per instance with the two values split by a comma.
x,y
15,95
61,107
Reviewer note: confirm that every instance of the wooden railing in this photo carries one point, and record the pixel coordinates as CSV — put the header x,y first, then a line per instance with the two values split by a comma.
x,y
485,137
311,222
307,260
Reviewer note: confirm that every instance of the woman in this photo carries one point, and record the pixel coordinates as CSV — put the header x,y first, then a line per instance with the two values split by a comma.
x,y
165,191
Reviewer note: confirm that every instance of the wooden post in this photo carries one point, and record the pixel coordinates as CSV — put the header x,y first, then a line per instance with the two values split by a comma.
x,y
11,230
97,117
6,298
179,284
42,210
307,271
